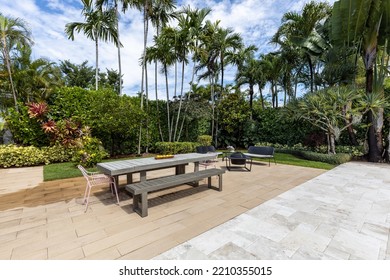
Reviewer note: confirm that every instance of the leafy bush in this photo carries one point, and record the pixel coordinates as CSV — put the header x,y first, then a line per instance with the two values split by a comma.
x,y
18,156
90,152
328,158
205,140
175,147
25,130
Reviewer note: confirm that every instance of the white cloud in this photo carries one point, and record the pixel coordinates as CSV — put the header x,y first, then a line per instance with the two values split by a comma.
x,y
255,20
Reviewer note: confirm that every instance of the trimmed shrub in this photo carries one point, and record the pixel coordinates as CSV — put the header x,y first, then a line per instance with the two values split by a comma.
x,y
175,147
13,155
205,140
335,159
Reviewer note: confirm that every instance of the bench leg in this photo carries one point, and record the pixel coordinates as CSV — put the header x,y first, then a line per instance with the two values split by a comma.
x,y
219,182
140,204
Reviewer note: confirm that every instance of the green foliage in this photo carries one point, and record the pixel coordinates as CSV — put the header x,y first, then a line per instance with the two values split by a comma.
x,y
13,155
90,152
175,147
25,130
205,140
234,114
70,102
328,158
112,118
275,126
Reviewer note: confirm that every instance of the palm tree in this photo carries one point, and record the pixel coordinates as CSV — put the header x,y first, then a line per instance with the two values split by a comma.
x,y
193,25
303,30
228,43
146,6
272,67
164,52
247,69
209,60
98,25
364,27
13,32
35,79
114,4
163,12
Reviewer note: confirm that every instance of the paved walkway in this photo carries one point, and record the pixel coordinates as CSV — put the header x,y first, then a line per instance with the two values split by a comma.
x,y
341,214
16,179
277,212
48,221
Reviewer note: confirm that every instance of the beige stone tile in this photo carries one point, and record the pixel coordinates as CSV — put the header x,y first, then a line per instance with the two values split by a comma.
x,y
110,253
74,254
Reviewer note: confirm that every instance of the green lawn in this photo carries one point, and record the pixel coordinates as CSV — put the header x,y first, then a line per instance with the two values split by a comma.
x,y
69,169
293,160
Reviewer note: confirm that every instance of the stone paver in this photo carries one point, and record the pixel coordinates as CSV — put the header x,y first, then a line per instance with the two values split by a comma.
x,y
341,214
48,221
15,179
277,212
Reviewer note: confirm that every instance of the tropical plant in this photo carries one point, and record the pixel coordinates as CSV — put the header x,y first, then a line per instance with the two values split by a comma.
x,y
98,25
77,75
13,32
303,30
328,109
363,26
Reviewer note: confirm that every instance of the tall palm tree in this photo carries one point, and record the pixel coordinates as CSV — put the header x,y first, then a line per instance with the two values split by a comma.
x,y
114,4
13,32
163,12
163,51
247,69
272,66
228,43
193,25
303,30
209,60
146,7
98,25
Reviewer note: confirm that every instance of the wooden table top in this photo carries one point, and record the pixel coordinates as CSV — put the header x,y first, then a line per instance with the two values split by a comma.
x,y
122,167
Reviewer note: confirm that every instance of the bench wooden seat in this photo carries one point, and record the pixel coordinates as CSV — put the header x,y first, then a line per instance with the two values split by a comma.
x,y
140,190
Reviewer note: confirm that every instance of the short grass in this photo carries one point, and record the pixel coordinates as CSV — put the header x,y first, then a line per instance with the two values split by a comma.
x,y
293,160
69,169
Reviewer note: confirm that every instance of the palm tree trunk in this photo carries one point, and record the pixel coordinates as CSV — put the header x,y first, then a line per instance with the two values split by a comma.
x,y
374,154
261,97
157,105
180,102
119,49
97,63
311,73
156,91
143,73
167,92
8,65
188,99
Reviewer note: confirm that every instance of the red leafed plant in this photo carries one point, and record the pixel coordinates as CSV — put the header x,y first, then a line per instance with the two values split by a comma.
x,y
49,126
37,110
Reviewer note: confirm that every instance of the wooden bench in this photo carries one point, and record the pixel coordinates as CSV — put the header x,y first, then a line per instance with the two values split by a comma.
x,y
261,152
140,190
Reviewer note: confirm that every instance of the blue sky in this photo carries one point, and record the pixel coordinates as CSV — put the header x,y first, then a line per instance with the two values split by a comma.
x,y
255,20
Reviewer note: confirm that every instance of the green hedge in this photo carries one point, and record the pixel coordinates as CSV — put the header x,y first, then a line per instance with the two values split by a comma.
x,y
175,147
327,158
18,156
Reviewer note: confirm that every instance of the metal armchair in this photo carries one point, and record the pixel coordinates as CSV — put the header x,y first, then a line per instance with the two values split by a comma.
x,y
240,160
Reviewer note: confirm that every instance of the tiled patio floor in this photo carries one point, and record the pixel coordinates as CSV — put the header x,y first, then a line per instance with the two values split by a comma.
x,y
48,221
341,214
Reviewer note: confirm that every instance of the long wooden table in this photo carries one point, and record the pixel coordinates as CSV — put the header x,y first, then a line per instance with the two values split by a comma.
x,y
142,165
